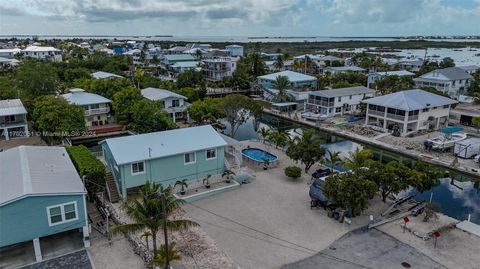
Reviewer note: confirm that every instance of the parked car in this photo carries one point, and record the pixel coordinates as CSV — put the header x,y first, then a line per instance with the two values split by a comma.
x,y
322,172
317,195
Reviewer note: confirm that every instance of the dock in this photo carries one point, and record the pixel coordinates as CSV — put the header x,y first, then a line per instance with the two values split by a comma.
x,y
469,227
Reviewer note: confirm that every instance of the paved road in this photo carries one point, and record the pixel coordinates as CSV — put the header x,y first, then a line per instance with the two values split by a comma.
x,y
76,260
373,249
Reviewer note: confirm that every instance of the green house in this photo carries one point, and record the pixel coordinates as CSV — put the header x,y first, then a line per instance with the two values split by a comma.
x,y
164,157
41,195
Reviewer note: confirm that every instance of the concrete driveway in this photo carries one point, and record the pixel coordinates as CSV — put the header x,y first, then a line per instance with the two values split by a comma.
x,y
268,222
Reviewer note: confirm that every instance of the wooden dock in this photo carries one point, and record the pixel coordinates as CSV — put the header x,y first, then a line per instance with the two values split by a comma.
x,y
469,227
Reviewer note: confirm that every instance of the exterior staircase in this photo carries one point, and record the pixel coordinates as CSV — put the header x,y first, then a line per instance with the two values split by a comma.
x,y
112,189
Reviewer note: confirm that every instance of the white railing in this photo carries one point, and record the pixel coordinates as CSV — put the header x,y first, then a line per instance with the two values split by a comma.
x,y
97,111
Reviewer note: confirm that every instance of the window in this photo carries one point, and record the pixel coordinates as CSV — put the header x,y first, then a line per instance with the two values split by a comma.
x,y
338,109
211,154
175,103
350,97
95,106
62,213
445,106
10,118
138,168
340,99
190,158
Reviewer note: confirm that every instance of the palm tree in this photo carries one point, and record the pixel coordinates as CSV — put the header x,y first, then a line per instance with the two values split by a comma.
x,y
282,83
160,259
333,158
279,138
183,184
146,213
198,54
228,173
264,133
279,63
358,158
138,75
298,64
146,235
206,181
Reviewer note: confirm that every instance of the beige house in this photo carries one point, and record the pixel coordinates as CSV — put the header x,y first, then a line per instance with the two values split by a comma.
x,y
97,108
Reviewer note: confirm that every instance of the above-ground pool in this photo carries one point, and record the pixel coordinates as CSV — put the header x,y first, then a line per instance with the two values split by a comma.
x,y
259,155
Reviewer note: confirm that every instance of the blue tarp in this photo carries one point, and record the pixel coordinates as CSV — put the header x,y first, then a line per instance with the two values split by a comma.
x,y
451,130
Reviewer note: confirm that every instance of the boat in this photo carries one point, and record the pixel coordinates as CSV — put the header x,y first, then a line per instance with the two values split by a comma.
x,y
445,141
313,116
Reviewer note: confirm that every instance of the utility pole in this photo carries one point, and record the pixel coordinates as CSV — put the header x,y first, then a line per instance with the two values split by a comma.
x,y
164,213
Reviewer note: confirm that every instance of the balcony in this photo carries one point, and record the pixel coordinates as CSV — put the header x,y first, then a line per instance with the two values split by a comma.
x,y
175,109
376,112
395,116
320,103
13,123
97,111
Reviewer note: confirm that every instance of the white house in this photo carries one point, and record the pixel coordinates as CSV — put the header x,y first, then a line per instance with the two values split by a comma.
x,y
174,104
234,50
453,81
216,69
287,65
8,62
104,75
180,67
13,119
9,53
343,69
337,101
469,68
97,108
43,53
373,77
298,80
410,65
410,111
136,55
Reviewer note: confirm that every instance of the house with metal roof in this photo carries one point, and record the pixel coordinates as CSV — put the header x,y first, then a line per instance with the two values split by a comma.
x,y
298,80
136,55
408,111
104,75
174,104
453,81
469,68
215,69
337,101
234,50
43,53
13,119
375,76
180,67
410,65
41,195
97,108
170,59
343,69
164,157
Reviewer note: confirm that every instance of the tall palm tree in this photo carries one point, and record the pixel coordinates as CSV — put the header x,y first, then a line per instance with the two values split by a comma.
x,y
198,54
278,64
279,138
333,158
358,158
146,213
264,133
282,83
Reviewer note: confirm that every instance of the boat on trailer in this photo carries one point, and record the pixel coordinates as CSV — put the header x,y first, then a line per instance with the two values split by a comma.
x,y
313,116
445,141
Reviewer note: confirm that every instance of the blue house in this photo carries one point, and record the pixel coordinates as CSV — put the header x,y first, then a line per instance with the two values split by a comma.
x,y
164,157
41,195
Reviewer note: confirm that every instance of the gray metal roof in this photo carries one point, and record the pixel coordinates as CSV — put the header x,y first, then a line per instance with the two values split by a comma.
x,y
345,68
80,97
292,76
342,92
156,94
452,73
399,73
129,149
11,107
468,68
409,100
37,170
104,75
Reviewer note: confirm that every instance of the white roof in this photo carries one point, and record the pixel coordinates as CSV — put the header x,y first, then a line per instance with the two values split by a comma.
x,y
345,68
292,76
37,170
14,50
129,149
399,73
11,107
185,64
409,100
103,75
339,92
80,97
131,52
156,94
8,60
40,49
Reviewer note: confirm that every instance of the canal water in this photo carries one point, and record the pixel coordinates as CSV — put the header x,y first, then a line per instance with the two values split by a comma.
x,y
456,196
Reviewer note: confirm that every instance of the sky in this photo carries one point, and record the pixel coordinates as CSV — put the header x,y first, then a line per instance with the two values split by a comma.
x,y
352,18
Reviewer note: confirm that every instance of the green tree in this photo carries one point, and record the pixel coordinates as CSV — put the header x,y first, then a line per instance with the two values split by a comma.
x,y
279,138
392,178
307,149
160,255
206,111
88,166
348,191
7,88
146,213
190,93
424,176
293,172
264,133
447,62
278,63
238,109
34,79
123,102
391,84
104,87
148,116
281,84
476,123
189,78
56,118
333,159
358,158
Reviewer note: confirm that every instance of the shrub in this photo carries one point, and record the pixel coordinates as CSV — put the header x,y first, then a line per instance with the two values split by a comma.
x,y
89,166
293,172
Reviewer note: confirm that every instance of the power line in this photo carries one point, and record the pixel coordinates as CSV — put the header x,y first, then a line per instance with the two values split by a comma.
x,y
306,249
